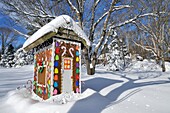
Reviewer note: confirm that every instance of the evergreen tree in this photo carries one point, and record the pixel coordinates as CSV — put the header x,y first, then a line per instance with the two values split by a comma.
x,y
118,54
7,57
10,58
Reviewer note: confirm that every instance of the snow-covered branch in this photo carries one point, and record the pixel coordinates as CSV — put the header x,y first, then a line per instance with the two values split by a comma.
x,y
35,25
146,29
147,48
116,8
28,13
73,7
121,7
104,44
39,16
99,20
78,11
133,19
150,31
97,2
92,27
41,8
22,34
105,25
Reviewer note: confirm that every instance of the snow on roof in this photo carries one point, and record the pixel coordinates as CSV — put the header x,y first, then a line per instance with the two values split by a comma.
x,y
63,21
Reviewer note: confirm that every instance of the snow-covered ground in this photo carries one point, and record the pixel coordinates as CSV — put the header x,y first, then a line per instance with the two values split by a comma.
x,y
11,78
141,88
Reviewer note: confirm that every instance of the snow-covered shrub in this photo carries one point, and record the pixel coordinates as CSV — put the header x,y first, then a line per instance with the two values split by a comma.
x,y
22,58
139,58
17,59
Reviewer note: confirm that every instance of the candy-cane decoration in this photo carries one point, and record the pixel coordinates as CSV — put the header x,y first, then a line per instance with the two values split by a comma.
x,y
63,47
70,51
29,82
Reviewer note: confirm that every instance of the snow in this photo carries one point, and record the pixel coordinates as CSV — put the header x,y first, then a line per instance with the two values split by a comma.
x,y
63,21
138,89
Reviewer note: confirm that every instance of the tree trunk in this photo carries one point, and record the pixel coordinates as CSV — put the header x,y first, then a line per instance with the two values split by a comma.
x,y
90,68
163,65
157,60
161,62
3,45
90,65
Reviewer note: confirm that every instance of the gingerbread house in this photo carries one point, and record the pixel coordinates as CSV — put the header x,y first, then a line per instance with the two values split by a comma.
x,y
57,57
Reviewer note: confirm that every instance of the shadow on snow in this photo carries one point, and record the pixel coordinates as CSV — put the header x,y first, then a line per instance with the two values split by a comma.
x,y
96,102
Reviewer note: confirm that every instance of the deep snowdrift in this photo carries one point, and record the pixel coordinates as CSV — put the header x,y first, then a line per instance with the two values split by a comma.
x,y
141,88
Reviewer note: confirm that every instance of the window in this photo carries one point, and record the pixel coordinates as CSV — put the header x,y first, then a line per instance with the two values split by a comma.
x,y
67,64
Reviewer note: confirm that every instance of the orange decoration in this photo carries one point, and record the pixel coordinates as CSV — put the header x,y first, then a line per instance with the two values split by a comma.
x,y
56,77
77,47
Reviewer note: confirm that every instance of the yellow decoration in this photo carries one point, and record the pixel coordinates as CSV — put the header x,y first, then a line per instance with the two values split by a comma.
x,y
77,59
56,70
49,82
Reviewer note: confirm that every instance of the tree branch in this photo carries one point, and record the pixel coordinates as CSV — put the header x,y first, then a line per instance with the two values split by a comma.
x,y
105,25
73,7
116,8
92,20
147,48
30,14
22,34
132,20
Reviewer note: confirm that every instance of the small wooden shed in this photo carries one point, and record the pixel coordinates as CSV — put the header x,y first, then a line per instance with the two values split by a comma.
x,y
57,57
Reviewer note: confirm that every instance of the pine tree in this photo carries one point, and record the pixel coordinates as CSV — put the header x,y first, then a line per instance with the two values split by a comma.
x,y
118,54
7,57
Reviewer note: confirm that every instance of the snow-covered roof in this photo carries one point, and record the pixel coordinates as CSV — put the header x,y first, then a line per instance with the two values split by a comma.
x,y
63,21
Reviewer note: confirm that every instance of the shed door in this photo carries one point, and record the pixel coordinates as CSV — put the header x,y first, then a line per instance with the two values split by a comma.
x,y
67,75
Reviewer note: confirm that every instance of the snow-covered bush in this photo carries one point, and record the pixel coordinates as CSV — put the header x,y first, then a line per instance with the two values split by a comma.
x,y
139,58
17,59
22,58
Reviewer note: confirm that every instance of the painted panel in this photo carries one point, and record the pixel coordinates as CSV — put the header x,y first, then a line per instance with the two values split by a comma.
x,y
67,49
67,72
42,73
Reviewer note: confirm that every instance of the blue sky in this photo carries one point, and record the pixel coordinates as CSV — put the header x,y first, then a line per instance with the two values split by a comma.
x,y
5,21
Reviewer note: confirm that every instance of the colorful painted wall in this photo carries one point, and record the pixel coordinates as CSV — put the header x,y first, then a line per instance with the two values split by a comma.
x,y
57,69
66,50
43,73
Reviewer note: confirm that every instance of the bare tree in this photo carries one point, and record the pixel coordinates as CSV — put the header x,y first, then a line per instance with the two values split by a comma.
x,y
7,37
31,14
102,22
156,40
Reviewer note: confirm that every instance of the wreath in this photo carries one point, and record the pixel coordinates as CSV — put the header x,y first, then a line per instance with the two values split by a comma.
x,y
40,70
